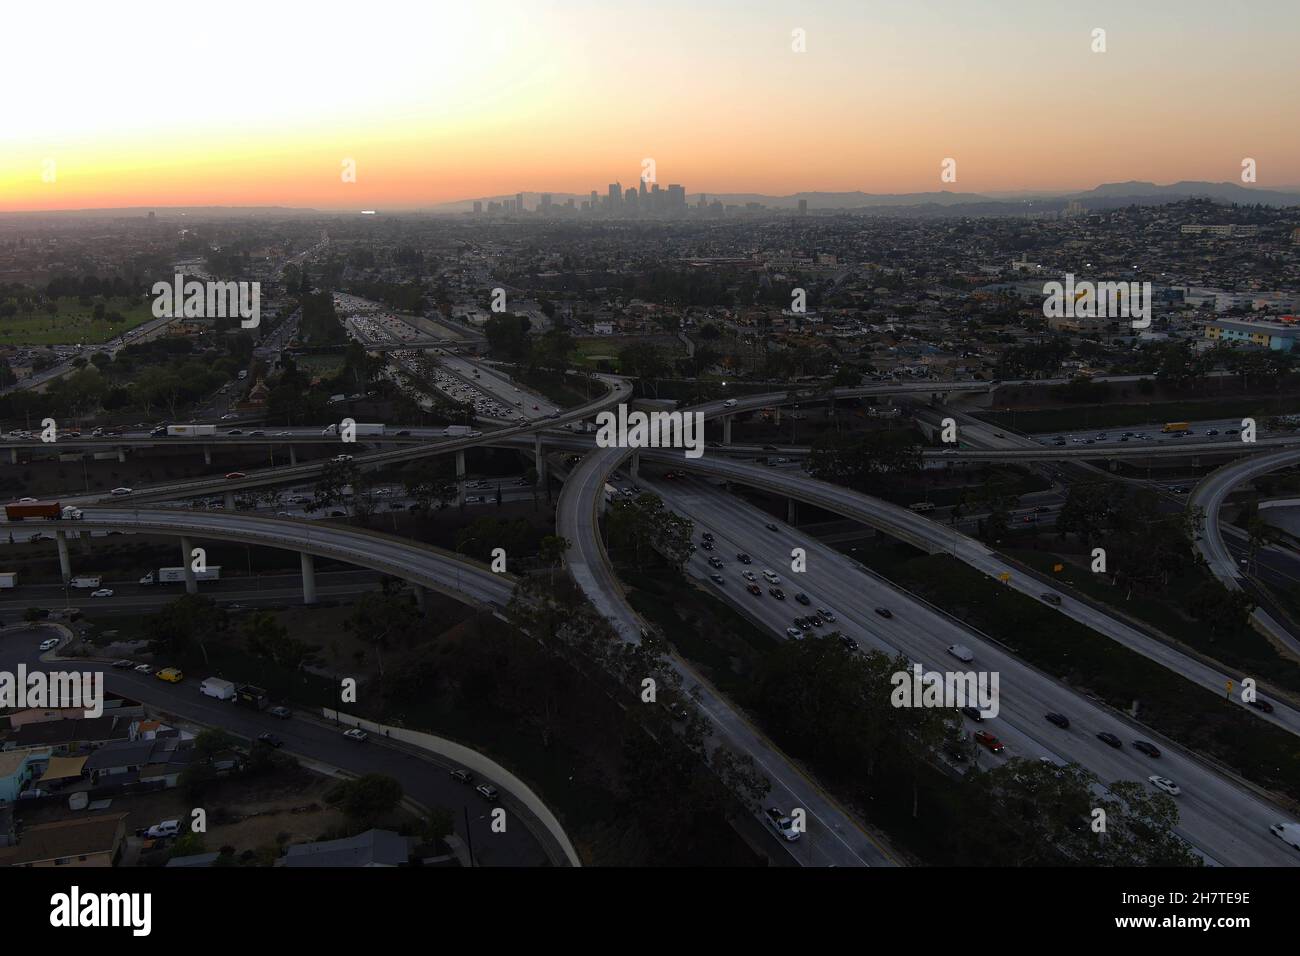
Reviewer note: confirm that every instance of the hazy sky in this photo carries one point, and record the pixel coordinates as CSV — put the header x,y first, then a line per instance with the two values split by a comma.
x,y
166,103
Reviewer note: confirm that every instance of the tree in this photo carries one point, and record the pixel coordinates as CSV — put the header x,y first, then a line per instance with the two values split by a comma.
x,y
336,478
379,618
864,461
645,526
367,800
507,336
188,622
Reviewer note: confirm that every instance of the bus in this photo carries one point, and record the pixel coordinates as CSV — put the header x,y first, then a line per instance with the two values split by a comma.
x,y
1179,428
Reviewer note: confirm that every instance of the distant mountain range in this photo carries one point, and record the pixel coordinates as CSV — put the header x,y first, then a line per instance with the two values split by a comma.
x,y
938,203
1105,196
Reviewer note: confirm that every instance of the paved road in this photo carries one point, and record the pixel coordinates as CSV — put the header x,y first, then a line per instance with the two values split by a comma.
x,y
1209,496
934,538
451,574
833,837
425,780
1226,821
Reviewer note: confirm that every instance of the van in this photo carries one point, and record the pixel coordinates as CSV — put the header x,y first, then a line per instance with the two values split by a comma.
x,y
729,403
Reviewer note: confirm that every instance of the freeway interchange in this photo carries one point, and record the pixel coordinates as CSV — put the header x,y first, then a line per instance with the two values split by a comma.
x,y
1222,818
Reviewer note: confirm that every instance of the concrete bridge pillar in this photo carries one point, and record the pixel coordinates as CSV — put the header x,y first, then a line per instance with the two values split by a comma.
x,y
293,456
230,501
65,560
13,456
191,582
121,455
207,454
726,429
634,469
85,542
791,512
421,597
460,478
540,455
308,578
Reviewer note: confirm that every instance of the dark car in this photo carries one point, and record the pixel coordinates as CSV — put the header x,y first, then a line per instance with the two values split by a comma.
x,y
270,739
803,598
973,713
849,644
463,776
1109,739
776,593
707,536
717,579
772,527
884,612
404,433
280,713
743,558
1060,720
754,589
1259,703
1144,746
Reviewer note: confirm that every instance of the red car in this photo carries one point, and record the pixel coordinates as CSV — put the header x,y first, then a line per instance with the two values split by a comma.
x,y
986,739
754,589
236,474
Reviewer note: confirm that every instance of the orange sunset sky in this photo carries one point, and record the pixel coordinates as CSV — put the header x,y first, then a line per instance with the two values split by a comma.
x,y
157,104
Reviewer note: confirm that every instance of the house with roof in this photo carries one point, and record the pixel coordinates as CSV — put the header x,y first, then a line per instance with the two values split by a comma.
x,y
77,841
374,848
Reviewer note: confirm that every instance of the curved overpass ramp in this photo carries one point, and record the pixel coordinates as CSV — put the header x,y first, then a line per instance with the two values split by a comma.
x,y
833,837
1209,496
451,574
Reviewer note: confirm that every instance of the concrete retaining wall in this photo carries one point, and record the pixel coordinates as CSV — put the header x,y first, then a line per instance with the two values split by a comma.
x,y
476,762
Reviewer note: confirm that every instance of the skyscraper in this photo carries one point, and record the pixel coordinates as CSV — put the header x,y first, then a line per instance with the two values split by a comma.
x,y
519,203
615,192
803,207
478,208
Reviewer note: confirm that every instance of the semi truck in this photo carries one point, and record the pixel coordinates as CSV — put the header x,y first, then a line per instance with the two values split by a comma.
x,y
460,431
175,575
368,428
85,581
190,431
218,688
8,579
22,510
1179,427
610,493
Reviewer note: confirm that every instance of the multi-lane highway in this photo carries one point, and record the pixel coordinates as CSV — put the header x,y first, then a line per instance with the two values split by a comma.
x,y
1225,820
833,837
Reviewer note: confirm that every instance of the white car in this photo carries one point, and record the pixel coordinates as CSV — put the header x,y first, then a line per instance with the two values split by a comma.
x,y
357,734
1165,784
49,644
781,823
102,592
118,492
771,576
